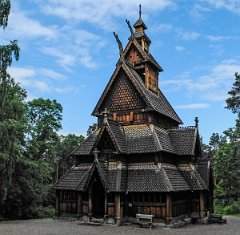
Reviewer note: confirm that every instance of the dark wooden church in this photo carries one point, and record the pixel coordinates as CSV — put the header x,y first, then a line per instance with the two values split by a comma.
x,y
139,160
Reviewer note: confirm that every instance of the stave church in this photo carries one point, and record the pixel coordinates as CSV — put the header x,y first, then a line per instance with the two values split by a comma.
x,y
140,159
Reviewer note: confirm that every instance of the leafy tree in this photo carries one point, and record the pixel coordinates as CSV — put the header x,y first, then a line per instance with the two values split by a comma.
x,y
5,6
233,102
44,118
12,112
226,160
30,189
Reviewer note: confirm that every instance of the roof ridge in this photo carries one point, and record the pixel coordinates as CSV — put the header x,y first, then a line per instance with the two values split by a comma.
x,y
166,176
155,137
198,176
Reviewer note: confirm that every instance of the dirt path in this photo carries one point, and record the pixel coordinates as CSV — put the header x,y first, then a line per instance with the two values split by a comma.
x,y
58,227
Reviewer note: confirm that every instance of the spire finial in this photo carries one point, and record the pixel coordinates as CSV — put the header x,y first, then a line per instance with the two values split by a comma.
x,y
119,44
196,121
140,11
130,27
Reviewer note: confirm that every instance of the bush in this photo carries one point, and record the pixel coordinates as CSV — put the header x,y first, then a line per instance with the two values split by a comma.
x,y
45,212
230,208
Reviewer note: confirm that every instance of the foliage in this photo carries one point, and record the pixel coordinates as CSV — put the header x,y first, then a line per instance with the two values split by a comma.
x,y
66,145
233,102
5,6
226,159
30,188
12,112
44,118
230,208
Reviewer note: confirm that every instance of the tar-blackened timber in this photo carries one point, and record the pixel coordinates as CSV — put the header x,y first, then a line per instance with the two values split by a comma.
x,y
139,160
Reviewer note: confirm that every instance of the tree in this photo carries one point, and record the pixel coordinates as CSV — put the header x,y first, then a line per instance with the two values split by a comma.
x,y
44,117
5,6
226,160
233,102
66,146
12,112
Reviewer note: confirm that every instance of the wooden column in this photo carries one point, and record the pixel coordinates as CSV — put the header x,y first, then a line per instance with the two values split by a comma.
x,y
90,202
79,204
168,207
117,208
57,209
202,205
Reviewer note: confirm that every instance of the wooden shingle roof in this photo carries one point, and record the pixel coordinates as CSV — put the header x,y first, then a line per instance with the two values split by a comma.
x,y
154,102
150,177
184,140
192,176
78,177
143,138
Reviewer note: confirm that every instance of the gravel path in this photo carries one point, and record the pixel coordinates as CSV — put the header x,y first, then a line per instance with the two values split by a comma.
x,y
58,227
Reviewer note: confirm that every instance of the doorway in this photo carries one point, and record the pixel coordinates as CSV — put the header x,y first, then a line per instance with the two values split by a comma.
x,y
98,197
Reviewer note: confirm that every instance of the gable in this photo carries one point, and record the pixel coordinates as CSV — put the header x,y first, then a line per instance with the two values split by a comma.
x,y
134,56
122,96
105,142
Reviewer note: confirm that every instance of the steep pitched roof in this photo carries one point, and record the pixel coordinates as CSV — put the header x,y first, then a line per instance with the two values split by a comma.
x,y
184,139
203,167
192,177
140,22
146,55
78,177
153,101
86,146
74,178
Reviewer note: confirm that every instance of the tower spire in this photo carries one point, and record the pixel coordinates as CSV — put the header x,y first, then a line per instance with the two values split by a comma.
x,y
140,11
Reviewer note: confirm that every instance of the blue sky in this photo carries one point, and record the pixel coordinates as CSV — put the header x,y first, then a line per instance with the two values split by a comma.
x,y
68,53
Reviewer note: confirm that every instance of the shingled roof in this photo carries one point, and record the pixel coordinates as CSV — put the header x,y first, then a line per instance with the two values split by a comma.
x,y
150,177
203,167
78,177
154,102
142,138
192,177
184,140
74,178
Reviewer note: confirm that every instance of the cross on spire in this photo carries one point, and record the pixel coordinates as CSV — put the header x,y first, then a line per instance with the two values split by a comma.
x,y
105,115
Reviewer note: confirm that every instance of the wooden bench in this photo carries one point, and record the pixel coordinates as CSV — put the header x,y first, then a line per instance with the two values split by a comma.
x,y
144,220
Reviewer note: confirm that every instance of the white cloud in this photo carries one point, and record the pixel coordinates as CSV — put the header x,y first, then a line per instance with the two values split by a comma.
x,y
63,59
29,78
185,35
212,86
180,48
193,106
22,26
101,12
215,38
51,74
198,11
163,27
231,5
